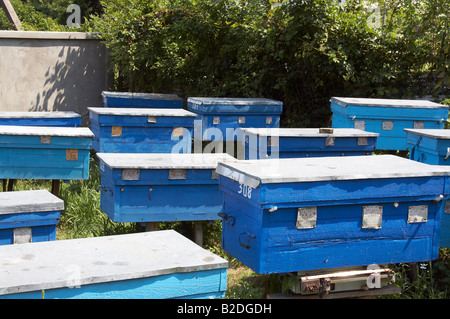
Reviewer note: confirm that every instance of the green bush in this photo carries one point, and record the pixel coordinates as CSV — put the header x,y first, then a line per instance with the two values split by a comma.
x,y
299,52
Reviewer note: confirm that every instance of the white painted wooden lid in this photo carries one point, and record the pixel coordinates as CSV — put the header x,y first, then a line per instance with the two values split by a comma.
x,y
29,201
141,112
298,170
145,96
104,259
46,131
37,115
163,160
307,132
433,133
232,101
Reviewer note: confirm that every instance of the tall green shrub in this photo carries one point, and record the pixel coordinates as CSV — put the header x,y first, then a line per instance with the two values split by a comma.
x,y
301,52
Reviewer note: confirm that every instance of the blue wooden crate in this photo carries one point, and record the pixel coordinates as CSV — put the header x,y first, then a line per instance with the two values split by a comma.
x,y
289,215
130,130
160,187
388,117
138,100
28,216
59,118
38,152
221,117
148,265
261,143
432,147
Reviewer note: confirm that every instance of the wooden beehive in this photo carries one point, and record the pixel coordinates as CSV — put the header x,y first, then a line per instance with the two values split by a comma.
x,y
132,130
40,152
28,216
307,142
388,117
329,212
160,187
221,117
148,265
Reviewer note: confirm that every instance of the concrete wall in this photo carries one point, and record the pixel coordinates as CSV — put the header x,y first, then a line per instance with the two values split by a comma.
x,y
51,71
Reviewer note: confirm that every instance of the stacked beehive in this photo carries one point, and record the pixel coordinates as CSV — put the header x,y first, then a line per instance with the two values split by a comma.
x,y
305,201
166,265
138,143
313,215
414,125
296,214
38,145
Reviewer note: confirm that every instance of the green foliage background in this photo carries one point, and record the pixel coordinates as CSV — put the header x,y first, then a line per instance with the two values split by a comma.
x,y
299,52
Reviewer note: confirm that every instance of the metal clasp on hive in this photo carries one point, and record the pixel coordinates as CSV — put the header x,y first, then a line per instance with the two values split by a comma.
x,y
247,243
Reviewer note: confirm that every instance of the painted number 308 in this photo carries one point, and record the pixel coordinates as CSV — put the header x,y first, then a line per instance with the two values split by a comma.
x,y
245,190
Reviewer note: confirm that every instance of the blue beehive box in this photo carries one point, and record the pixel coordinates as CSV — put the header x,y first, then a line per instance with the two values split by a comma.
x,y
39,152
160,187
221,117
432,147
138,100
147,265
28,216
261,143
298,214
388,117
130,130
59,118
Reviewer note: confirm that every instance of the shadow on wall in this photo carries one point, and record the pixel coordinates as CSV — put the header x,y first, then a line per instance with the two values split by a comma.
x,y
75,81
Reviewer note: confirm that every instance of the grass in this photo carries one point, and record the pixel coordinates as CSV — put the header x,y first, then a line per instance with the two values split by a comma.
x,y
83,217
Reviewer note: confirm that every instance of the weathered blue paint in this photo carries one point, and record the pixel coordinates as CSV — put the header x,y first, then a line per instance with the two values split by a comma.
x,y
192,285
37,152
429,146
388,117
59,118
221,117
432,147
153,195
130,130
144,100
306,142
262,201
36,209
151,265
445,227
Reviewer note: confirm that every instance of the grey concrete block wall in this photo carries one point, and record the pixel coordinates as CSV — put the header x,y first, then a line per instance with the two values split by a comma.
x,y
51,71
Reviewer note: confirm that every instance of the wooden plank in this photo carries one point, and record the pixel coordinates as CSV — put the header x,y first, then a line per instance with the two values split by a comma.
x,y
11,14
190,285
198,233
387,290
